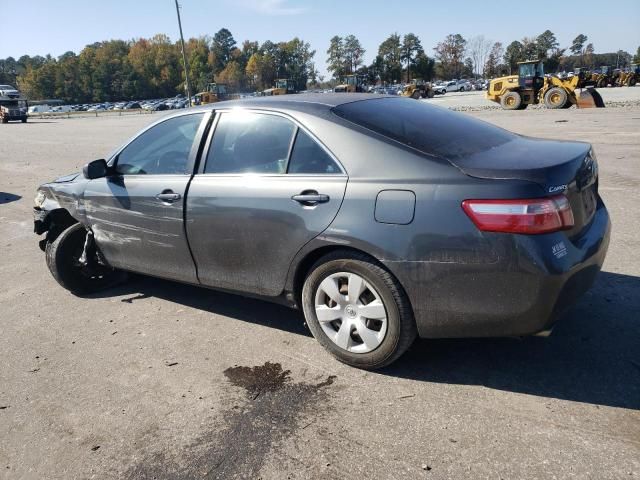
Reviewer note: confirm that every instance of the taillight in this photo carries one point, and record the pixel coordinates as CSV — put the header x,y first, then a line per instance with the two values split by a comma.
x,y
539,215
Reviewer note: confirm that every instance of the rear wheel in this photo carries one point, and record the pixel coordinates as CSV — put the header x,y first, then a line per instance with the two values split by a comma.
x,y
602,83
416,94
511,101
430,93
555,97
357,310
63,259
631,81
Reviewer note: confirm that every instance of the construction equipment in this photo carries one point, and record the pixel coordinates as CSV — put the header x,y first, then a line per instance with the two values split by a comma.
x,y
418,89
13,105
352,84
605,77
215,92
283,86
629,77
531,87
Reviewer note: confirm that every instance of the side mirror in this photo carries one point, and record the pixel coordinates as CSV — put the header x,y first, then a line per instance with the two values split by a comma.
x,y
95,169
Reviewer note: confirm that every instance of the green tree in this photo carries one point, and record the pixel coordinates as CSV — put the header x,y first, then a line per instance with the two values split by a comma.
x,y
390,52
411,48
450,53
578,44
221,49
352,54
512,55
335,57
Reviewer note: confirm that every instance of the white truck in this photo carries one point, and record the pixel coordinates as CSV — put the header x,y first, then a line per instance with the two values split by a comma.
x,y
13,105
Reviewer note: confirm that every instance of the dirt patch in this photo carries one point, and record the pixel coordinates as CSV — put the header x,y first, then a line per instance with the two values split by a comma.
x,y
270,412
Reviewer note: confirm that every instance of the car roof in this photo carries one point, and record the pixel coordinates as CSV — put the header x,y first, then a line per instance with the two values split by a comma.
x,y
312,103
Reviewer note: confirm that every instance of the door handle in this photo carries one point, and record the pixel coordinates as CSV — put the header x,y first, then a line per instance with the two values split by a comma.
x,y
310,198
168,196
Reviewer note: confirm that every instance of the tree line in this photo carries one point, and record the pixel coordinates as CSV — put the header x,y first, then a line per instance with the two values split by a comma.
x,y
152,68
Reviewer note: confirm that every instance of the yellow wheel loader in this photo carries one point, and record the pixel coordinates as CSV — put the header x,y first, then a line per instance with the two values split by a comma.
x,y
630,77
531,87
418,89
215,92
351,84
604,78
283,86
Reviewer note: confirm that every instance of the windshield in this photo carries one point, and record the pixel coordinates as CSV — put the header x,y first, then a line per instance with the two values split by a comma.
x,y
281,84
532,69
429,129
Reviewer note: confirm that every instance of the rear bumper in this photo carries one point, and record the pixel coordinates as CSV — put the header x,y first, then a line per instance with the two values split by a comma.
x,y
523,290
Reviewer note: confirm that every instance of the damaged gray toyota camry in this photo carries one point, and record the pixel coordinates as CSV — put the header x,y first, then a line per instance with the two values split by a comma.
x,y
382,218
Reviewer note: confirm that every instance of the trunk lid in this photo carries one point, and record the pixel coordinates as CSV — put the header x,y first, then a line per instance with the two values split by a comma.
x,y
557,166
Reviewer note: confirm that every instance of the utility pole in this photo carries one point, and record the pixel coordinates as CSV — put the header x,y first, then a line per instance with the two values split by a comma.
x,y
184,56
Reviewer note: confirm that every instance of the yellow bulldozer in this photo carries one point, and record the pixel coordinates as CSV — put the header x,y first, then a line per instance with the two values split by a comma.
x,y
629,77
418,89
351,84
283,86
215,92
531,87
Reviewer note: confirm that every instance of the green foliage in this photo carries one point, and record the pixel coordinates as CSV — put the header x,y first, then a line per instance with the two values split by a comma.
x,y
152,68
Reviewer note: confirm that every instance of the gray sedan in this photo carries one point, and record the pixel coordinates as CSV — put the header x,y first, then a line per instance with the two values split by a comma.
x,y
381,218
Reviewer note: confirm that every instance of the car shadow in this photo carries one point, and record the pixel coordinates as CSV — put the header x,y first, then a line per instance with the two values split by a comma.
x,y
250,310
8,197
592,356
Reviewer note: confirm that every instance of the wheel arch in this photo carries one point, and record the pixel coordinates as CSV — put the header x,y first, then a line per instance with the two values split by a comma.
x,y
302,268
57,221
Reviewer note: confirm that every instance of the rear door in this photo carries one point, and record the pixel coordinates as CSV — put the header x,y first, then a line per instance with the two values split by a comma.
x,y
136,213
266,189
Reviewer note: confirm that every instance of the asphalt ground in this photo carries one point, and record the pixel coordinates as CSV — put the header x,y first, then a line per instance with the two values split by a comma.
x,y
155,379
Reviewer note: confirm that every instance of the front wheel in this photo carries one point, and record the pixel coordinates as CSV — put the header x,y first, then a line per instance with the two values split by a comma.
x,y
556,97
63,259
357,310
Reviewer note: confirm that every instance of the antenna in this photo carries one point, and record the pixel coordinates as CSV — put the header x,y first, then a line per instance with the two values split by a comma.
x,y
184,56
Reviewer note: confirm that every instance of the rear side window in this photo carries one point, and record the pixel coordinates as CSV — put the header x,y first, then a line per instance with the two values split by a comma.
x,y
432,130
309,157
247,142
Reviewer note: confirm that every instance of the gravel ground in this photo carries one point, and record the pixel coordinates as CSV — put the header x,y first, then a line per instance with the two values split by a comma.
x,y
160,380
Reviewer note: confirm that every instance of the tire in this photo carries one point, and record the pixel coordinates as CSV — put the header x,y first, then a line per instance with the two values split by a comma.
x,y
602,83
555,98
388,338
62,259
431,93
5,120
511,101
24,120
416,95
461,89
631,82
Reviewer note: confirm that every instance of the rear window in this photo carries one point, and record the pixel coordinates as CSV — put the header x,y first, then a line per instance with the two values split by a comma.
x,y
432,130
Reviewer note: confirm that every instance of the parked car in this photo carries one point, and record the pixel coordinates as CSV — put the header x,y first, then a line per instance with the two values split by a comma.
x,y
458,86
382,218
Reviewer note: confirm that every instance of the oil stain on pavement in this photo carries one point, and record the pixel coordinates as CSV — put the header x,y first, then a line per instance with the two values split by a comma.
x,y
272,411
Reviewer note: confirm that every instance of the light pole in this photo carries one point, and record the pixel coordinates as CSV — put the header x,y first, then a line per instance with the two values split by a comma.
x,y
184,56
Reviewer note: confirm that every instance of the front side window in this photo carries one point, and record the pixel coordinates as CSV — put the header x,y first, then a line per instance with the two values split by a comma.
x,y
162,150
247,142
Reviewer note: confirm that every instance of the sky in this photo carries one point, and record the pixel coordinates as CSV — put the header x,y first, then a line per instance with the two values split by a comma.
x,y
40,27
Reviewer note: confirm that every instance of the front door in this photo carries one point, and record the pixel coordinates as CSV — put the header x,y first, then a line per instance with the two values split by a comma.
x,y
267,188
136,213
